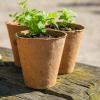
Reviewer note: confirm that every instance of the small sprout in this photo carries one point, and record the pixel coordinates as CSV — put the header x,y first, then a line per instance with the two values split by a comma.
x,y
23,4
31,18
36,21
13,16
67,16
52,19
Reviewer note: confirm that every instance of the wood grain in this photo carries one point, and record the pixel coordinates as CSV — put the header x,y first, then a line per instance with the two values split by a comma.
x,y
82,84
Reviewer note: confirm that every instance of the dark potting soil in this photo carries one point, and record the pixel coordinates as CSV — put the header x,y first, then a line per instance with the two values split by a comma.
x,y
28,35
69,27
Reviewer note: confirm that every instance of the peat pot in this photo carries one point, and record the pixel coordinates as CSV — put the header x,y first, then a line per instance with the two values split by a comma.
x,y
40,59
71,49
13,28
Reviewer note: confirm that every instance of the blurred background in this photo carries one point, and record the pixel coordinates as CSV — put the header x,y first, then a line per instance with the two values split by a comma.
x,y
88,15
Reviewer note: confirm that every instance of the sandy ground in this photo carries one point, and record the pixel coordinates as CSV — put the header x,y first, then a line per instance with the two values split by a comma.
x,y
88,15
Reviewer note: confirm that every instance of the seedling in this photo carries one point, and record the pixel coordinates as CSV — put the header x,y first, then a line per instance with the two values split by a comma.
x,y
66,16
36,21
33,19
52,19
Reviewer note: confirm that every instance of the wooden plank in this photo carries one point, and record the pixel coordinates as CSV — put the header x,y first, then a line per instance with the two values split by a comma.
x,y
82,84
6,54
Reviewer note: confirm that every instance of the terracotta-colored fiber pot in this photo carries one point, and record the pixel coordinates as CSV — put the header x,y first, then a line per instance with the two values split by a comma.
x,y
13,28
40,59
71,49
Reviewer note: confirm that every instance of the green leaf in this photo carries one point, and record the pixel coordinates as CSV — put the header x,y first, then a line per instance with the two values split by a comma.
x,y
28,18
23,4
52,18
41,25
67,16
52,15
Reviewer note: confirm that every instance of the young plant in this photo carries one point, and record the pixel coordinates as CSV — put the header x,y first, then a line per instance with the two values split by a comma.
x,y
66,16
34,20
52,19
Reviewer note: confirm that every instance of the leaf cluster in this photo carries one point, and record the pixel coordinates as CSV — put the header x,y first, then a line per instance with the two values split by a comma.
x,y
36,21
66,16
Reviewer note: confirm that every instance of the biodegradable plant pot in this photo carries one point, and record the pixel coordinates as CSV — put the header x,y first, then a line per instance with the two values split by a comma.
x,y
13,28
71,49
40,59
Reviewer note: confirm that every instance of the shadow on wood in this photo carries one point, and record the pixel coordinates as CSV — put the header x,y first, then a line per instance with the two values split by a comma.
x,y
79,85
12,83
69,87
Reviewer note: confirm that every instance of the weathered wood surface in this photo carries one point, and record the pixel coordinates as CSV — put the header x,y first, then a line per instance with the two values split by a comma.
x,y
82,84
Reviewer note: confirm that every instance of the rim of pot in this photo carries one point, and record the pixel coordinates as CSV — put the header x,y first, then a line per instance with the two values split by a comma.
x,y
14,23
81,27
61,33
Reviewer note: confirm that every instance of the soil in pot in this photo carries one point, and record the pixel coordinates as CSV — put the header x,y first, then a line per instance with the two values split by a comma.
x,y
40,58
71,48
13,28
